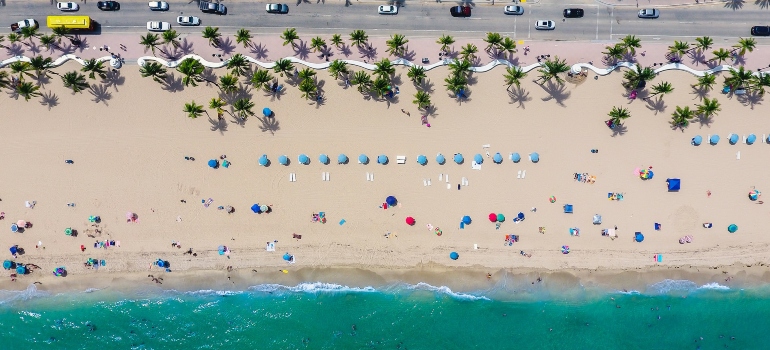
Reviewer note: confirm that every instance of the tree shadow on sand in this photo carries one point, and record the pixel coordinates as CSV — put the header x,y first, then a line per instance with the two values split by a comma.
x,y
15,49
270,125
699,92
519,96
619,130
186,47
226,46
657,105
426,85
556,92
113,79
219,124
172,83
367,52
259,50
101,93
49,99
345,50
751,99
703,121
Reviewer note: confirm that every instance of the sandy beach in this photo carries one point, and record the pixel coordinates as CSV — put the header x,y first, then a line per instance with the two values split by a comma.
x,y
128,143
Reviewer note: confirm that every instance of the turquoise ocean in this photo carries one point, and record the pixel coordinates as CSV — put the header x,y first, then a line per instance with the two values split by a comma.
x,y
671,314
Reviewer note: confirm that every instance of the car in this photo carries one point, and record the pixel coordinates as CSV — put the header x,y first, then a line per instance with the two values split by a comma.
x,y
212,7
545,25
573,13
760,31
27,23
513,10
158,6
460,11
387,10
649,13
108,5
188,21
155,26
277,8
67,6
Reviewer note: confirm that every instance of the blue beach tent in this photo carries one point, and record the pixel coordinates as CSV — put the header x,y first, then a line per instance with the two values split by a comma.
x,y
673,184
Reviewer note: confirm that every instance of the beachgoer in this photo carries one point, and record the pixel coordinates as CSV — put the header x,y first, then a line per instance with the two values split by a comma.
x,y
489,275
708,193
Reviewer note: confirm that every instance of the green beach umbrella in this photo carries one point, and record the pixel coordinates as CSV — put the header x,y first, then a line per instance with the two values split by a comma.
x,y
500,217
732,228
68,231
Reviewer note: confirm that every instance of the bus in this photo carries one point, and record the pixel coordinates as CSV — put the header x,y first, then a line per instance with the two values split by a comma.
x,y
70,22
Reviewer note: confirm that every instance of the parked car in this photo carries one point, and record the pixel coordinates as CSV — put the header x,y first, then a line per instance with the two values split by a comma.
x,y
460,11
155,26
760,30
67,6
108,5
18,26
387,10
545,25
212,7
188,20
513,10
277,8
158,6
649,13
573,13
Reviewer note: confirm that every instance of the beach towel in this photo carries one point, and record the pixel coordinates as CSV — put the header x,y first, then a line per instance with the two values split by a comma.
x,y
270,247
342,222
207,202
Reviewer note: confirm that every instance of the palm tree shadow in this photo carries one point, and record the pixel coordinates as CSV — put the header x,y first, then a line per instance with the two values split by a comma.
x,y
431,111
519,96
408,55
750,99
218,125
208,75
763,4
42,80
114,79
739,60
699,92
49,99
100,93
698,57
734,4
226,45
67,49
629,57
345,50
556,92
15,49
83,43
368,52
658,105
302,51
703,121
186,47
172,83
34,48
426,86
260,51
619,130
270,125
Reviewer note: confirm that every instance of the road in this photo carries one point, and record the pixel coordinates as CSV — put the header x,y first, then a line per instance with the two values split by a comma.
x,y
425,19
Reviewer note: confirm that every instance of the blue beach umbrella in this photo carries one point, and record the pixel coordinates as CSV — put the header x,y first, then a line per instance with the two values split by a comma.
x,y
497,158
466,219
21,270
459,158
454,255
263,160
697,140
534,157
751,139
324,159
440,159
382,159
478,159
714,139
7,264
255,209
515,157
733,139
342,158
14,250
283,160
303,159
422,159
287,257
213,163
14,228
638,237
267,112
732,228
363,159
391,200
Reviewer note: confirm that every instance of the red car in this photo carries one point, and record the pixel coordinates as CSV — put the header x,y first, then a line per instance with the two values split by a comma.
x,y
460,11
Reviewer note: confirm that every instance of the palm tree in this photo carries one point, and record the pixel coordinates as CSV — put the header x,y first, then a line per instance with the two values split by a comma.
x,y
493,40
703,43
662,88
618,115
720,55
46,40
171,37
416,74
5,82
59,32
614,52
21,68
630,43
681,117
289,36
243,108
513,76
469,51
338,67
306,73
2,40
551,69
283,66
193,109
29,33
384,68
27,90
507,45
191,71
75,81
94,68
238,65
217,104
739,78
149,41
455,83
380,86
14,38
243,36
317,44
421,99
308,88
154,70
41,65
228,83
745,44
359,37
706,82
445,41
637,77
709,108
336,40
460,67
396,45
213,35
362,79
261,78
760,82
679,48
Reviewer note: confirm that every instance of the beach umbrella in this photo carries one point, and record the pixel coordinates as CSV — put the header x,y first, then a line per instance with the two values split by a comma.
x,y
382,159
754,195
14,250
410,220
267,112
732,228
733,139
534,157
497,158
459,158
283,160
14,228
342,158
7,264
565,249
21,269
440,159
391,200
287,257
363,159
751,139
478,159
68,231
264,208
21,223
697,140
59,271
324,159
638,236
303,159
714,139
422,159
492,217
768,139
500,218
263,160
454,255
515,157
520,216
213,163
221,248
255,208
466,219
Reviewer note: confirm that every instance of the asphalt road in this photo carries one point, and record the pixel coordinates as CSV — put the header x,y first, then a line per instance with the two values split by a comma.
x,y
423,19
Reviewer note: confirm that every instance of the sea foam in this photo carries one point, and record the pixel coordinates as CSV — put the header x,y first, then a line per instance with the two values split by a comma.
x,y
668,286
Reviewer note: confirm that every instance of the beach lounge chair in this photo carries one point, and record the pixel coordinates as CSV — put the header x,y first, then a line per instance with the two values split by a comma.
x,y
401,159
597,219
475,166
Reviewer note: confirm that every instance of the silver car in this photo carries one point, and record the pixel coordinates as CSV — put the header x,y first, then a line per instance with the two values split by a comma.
x,y
155,26
188,20
649,13
545,25
514,10
387,10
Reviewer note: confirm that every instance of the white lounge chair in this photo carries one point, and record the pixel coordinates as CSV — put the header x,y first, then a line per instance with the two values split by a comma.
x,y
401,159
519,175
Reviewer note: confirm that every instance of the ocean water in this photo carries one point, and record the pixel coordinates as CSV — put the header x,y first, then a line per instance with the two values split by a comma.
x,y
667,315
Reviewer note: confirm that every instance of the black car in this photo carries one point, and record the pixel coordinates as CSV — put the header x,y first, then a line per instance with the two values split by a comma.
x,y
108,5
573,13
760,30
460,11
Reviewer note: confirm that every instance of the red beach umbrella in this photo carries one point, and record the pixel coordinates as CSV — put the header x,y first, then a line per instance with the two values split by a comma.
x,y
492,217
410,220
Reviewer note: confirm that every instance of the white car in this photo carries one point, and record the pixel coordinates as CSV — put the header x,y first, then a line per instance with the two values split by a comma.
x,y
387,10
545,25
155,26
188,20
649,13
514,10
158,6
67,6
